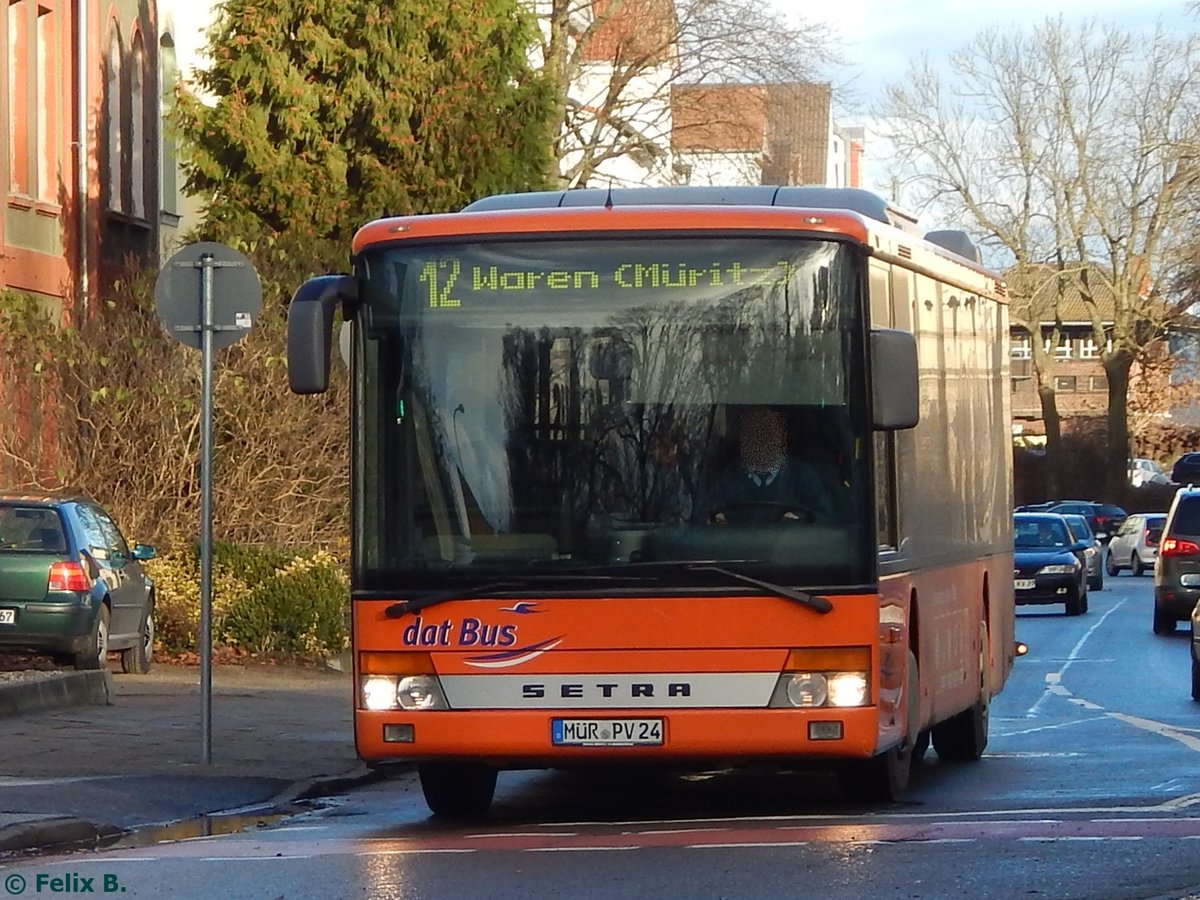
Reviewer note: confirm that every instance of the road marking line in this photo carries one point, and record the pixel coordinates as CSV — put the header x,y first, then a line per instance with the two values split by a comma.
x,y
242,858
513,834
575,849
1072,724
1054,678
738,846
682,831
416,850
1158,728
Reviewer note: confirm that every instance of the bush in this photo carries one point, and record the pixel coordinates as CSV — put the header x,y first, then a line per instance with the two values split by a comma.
x,y
264,600
300,609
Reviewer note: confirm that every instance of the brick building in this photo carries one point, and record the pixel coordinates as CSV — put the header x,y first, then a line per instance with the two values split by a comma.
x,y
1073,359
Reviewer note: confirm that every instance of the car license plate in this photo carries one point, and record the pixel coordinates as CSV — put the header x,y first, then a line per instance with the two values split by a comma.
x,y
1025,584
8,617
606,732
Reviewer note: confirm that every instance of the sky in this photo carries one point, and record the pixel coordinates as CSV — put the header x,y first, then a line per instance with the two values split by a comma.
x,y
881,38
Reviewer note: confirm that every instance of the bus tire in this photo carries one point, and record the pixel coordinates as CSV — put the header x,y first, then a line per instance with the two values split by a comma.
x,y
457,790
884,778
964,737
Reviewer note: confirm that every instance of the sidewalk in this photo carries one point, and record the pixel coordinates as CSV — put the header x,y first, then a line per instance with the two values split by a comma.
x,y
279,734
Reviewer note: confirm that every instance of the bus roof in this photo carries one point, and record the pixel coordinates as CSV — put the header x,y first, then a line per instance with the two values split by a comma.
x,y
524,213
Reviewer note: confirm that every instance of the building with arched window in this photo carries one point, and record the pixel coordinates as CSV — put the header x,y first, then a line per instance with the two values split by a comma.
x,y
80,172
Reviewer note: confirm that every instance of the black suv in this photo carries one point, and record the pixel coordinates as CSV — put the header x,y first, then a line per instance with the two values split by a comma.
x,y
1186,469
1177,572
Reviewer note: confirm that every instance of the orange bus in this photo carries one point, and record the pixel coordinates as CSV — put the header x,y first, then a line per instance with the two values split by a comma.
x,y
546,389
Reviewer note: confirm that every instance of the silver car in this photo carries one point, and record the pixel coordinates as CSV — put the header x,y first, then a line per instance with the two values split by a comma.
x,y
1094,554
1135,545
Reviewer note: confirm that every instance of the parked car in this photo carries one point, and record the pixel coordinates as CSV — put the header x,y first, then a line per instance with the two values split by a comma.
x,y
1177,571
1048,563
1109,517
1093,555
1186,469
1144,471
1135,545
70,586
1104,518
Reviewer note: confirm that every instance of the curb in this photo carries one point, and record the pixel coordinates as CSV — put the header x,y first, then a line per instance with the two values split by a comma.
x,y
90,688
63,831
324,785
43,834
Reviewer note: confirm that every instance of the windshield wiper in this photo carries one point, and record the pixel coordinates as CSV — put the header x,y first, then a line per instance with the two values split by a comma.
x,y
423,601
820,604
491,588
487,589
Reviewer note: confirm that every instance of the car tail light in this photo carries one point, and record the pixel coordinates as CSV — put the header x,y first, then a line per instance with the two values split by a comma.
x,y
68,576
1176,547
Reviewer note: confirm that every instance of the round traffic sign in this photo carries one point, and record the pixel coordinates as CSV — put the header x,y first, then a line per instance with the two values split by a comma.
x,y
179,294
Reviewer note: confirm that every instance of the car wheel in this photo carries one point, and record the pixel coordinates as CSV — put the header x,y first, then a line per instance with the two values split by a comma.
x,y
1163,624
1195,679
138,658
95,653
1110,565
1097,583
1135,563
1075,603
457,790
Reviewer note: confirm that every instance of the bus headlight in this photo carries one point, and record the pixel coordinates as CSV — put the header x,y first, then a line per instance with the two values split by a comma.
x,y
378,692
807,689
824,677
420,692
381,692
848,689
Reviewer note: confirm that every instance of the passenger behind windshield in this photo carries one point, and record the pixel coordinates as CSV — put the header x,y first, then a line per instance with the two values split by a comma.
x,y
766,483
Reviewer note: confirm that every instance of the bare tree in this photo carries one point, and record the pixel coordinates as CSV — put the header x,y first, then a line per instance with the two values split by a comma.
x,y
614,64
1072,148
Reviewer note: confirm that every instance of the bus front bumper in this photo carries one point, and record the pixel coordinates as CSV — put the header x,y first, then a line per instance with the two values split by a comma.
x,y
517,739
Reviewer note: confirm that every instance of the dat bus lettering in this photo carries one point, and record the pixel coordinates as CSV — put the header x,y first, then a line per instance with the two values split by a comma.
x,y
470,632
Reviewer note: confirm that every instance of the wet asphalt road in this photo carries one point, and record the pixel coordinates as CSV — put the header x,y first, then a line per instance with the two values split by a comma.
x,y
1090,789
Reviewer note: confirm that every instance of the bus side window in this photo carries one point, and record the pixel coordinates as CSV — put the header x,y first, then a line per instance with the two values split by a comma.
x,y
885,490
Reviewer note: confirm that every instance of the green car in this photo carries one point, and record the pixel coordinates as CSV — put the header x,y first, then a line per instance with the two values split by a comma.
x,y
70,586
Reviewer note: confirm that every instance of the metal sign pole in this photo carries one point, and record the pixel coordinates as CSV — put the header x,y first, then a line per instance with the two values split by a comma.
x,y
197,316
206,369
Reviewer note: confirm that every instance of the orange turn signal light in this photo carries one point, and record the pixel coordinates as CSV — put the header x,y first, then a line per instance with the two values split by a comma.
x,y
829,659
371,662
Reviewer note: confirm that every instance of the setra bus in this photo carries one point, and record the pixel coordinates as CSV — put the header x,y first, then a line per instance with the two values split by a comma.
x,y
545,389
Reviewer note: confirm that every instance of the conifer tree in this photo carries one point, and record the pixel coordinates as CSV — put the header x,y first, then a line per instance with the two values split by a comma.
x,y
329,113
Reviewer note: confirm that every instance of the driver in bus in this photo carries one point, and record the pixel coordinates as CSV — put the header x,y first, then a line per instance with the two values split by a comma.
x,y
766,483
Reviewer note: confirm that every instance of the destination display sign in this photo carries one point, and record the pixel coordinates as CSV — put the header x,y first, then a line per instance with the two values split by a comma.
x,y
448,283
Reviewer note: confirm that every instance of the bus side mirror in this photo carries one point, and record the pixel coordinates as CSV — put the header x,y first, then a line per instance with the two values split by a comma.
x,y
894,393
310,330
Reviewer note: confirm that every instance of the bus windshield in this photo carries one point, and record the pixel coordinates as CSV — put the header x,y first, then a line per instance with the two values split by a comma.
x,y
612,406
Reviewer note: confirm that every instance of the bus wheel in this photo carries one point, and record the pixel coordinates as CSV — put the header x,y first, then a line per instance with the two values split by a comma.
x,y
457,790
885,777
964,736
